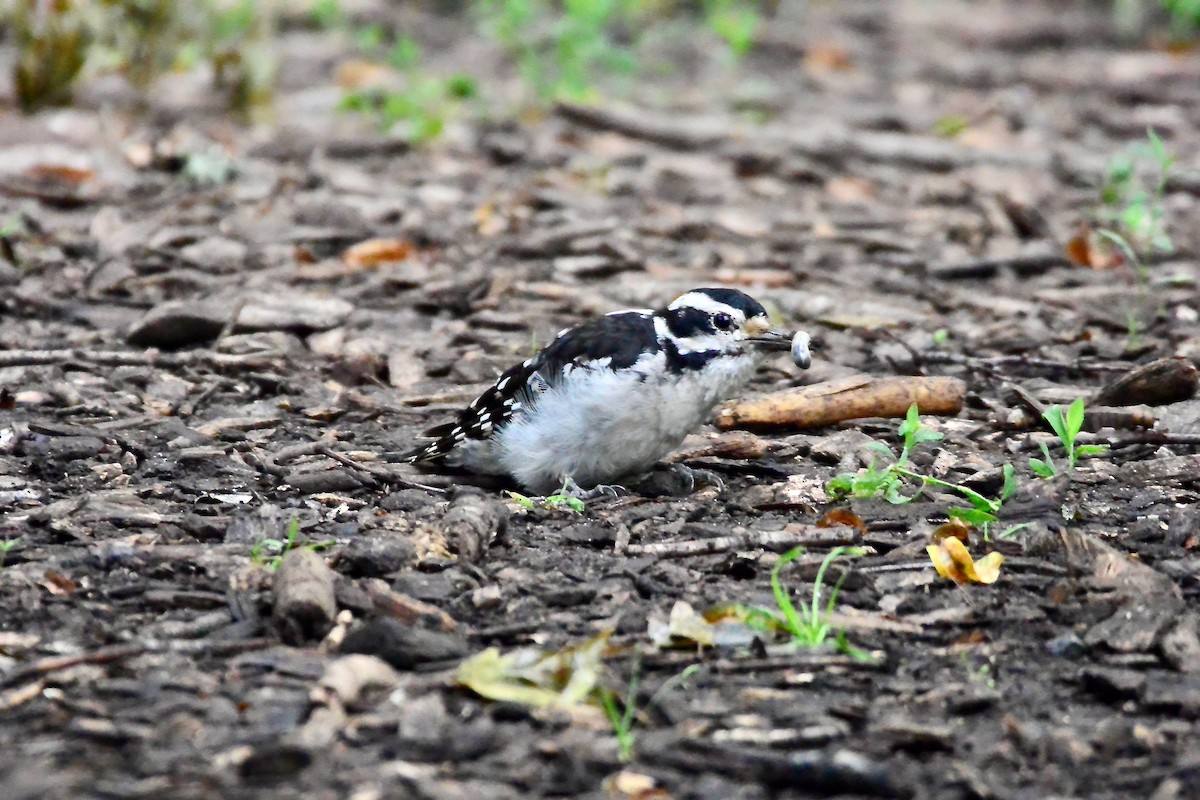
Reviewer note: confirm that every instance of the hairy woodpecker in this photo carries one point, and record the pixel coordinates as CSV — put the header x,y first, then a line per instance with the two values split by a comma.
x,y
610,397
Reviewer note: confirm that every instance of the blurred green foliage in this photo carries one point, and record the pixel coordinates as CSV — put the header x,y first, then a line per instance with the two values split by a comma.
x,y
57,40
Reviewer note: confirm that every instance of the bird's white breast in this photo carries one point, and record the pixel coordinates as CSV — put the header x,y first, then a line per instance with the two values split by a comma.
x,y
597,425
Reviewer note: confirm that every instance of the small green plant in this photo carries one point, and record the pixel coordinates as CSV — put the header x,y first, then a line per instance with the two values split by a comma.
x,y
1131,196
983,511
561,51
562,501
268,553
328,14
808,626
622,718
418,112
981,675
51,48
1185,18
1067,427
888,482
5,546
58,41
734,22
622,714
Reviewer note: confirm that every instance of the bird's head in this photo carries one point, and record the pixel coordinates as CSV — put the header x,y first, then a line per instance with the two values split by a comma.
x,y
723,321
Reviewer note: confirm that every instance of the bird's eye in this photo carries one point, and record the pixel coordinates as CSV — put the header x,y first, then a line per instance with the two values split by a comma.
x,y
723,322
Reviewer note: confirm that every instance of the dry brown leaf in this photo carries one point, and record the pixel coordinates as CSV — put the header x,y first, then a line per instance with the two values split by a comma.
x,y
59,175
628,785
58,584
1082,251
842,516
826,57
373,252
357,74
954,529
489,221
848,189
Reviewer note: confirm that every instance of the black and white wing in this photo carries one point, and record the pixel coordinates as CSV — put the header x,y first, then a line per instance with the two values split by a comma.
x,y
613,342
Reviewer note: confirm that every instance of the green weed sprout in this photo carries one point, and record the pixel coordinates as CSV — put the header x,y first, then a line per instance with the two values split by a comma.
x,y
268,553
561,60
1185,18
888,481
5,546
423,107
622,715
1067,427
1132,195
808,626
562,501
734,22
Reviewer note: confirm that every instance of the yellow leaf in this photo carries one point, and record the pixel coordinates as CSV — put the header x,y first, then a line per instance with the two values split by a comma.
x,y
533,678
951,560
684,625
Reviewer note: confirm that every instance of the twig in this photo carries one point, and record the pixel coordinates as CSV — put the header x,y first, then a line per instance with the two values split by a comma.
x,y
996,362
637,124
1152,437
144,358
1025,265
810,536
119,652
272,462
231,323
387,476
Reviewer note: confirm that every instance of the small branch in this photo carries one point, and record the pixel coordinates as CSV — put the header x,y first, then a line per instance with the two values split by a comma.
x,y
144,358
810,536
384,475
120,652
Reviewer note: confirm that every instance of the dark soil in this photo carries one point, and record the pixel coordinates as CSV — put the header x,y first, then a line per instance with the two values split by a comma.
x,y
180,359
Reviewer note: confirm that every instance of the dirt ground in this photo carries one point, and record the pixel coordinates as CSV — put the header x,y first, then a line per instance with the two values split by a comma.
x,y
181,359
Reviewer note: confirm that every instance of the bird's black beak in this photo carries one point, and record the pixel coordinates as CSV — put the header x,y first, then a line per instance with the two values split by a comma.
x,y
772,339
777,339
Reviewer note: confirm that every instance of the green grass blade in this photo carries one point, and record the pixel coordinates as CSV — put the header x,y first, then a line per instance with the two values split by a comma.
x,y
791,616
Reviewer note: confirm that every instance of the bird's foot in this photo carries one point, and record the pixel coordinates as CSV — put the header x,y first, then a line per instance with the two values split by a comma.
x,y
570,489
676,480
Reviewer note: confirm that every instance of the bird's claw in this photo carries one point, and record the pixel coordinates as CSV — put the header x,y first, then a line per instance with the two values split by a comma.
x,y
571,489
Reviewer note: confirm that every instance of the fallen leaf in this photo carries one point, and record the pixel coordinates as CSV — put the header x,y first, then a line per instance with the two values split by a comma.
x,y
358,74
954,529
58,174
58,584
628,785
489,220
1081,250
373,252
951,560
683,626
825,57
848,189
534,678
842,516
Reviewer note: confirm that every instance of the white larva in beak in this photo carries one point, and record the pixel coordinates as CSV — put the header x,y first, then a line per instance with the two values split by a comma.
x,y
801,356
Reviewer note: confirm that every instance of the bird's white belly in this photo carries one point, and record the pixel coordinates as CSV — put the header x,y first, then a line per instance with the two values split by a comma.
x,y
599,426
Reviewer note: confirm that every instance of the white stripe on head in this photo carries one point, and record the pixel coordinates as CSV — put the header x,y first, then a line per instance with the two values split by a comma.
x,y
703,302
